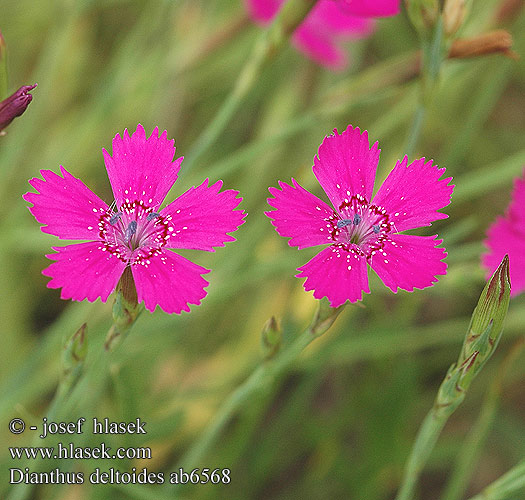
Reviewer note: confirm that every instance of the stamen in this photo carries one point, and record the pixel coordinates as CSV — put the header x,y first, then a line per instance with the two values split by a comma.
x,y
115,218
357,219
152,215
344,222
130,231
376,228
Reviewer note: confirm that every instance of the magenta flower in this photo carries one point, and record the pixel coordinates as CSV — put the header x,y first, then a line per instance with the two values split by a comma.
x,y
329,23
360,229
133,231
507,236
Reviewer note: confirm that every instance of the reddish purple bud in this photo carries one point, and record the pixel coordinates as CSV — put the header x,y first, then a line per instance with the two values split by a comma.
x,y
15,105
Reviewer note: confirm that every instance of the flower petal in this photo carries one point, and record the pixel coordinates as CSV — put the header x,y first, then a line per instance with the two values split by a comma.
x,y
66,207
84,271
515,212
412,195
504,238
346,165
366,8
263,10
300,215
170,281
140,168
409,262
320,47
328,18
202,217
338,273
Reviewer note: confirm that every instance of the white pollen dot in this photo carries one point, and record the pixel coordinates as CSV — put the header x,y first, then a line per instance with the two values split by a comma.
x,y
185,227
338,186
170,229
386,261
90,227
150,200
349,268
317,208
94,210
396,214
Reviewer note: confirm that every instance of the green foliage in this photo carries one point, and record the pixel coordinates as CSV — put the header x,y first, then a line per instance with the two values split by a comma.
x,y
339,421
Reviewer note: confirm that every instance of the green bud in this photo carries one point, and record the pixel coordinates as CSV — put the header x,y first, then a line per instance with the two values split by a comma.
x,y
271,337
423,13
454,15
486,325
73,355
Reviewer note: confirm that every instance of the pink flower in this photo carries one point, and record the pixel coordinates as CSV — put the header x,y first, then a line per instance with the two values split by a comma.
x,y
329,23
507,236
362,229
133,231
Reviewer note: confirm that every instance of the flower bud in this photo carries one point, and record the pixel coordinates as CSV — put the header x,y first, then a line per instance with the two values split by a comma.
x,y
15,105
486,325
422,13
454,14
271,337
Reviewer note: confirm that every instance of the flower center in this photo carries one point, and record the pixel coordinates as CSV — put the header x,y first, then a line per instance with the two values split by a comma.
x,y
134,233
360,223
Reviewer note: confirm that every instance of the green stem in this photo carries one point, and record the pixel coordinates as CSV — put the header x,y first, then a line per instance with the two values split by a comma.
x,y
415,130
425,441
483,335
506,487
269,44
471,447
261,379
433,54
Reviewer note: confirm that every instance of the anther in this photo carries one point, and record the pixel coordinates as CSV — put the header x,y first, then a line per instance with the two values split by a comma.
x,y
130,231
152,215
115,218
376,228
344,222
357,219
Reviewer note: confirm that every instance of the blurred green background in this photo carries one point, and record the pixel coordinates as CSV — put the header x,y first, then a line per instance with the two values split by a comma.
x,y
340,422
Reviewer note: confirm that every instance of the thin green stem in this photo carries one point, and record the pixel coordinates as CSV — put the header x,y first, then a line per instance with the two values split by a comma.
x,y
433,54
415,130
506,487
482,338
470,450
423,446
268,45
261,379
